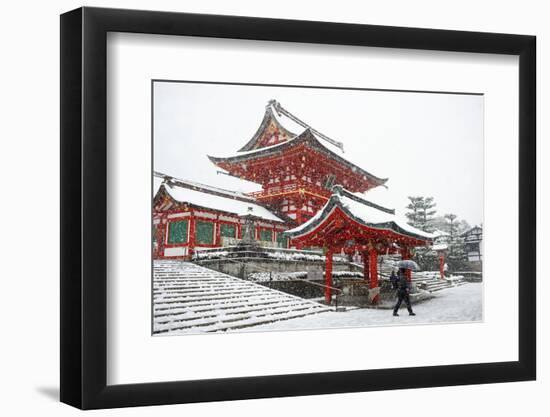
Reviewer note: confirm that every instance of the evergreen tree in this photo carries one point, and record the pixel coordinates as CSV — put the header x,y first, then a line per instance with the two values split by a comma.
x,y
451,225
457,251
421,212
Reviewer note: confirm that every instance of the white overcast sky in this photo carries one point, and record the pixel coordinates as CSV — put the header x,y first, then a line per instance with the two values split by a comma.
x,y
426,144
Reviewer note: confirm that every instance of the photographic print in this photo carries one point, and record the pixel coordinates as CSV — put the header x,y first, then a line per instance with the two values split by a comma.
x,y
301,207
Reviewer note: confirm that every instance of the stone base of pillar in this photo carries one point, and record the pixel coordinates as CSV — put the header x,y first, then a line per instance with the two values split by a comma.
x,y
374,295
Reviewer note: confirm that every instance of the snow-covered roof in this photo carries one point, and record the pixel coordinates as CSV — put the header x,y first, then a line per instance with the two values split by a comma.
x,y
476,230
440,233
269,117
157,182
440,246
364,212
214,198
306,136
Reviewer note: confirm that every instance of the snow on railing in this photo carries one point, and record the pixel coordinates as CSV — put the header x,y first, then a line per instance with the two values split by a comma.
x,y
301,275
271,252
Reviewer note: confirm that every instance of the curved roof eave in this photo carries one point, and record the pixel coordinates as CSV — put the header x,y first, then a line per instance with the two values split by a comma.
x,y
304,136
335,202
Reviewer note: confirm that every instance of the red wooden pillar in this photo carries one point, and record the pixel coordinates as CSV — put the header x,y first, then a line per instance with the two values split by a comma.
x,y
298,204
217,233
191,245
374,293
328,277
442,264
406,254
366,266
158,240
162,235
373,268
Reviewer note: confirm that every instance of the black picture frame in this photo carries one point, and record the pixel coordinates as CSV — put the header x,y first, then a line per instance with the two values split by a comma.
x,y
84,207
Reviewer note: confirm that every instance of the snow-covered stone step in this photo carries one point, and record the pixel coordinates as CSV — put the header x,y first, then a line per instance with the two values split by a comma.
x,y
173,303
190,281
207,291
437,287
191,286
239,322
430,280
178,302
200,290
189,298
229,311
160,307
227,319
252,300
228,308
233,312
204,296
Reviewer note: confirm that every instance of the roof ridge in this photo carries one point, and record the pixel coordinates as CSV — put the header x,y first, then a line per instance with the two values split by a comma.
x,y
268,115
219,192
205,188
366,202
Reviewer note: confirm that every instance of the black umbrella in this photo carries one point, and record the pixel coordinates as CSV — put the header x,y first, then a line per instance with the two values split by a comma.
x,y
408,264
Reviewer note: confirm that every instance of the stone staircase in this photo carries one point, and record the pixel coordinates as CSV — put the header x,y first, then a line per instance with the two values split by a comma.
x,y
189,298
431,281
427,280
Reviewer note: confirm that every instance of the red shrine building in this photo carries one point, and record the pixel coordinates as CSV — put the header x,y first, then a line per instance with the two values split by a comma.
x,y
311,196
188,215
296,171
351,224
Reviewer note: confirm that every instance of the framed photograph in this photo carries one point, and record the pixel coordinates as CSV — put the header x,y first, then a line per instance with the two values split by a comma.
x,y
257,208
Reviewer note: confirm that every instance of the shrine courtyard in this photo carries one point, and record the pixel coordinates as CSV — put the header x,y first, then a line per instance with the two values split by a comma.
x,y
452,305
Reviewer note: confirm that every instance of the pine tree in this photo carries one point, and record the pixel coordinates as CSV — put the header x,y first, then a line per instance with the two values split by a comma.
x,y
457,252
421,212
451,225
421,215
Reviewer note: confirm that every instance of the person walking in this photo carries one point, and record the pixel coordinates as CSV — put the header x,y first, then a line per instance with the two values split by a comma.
x,y
403,291
393,279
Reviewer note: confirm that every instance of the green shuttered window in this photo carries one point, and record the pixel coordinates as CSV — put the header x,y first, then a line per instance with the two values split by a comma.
x,y
266,235
177,232
228,230
282,240
205,233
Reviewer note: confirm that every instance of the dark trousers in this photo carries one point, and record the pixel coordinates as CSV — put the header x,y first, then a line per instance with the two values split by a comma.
x,y
403,296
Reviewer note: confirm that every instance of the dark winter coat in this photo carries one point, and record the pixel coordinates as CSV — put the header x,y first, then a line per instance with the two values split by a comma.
x,y
394,279
403,284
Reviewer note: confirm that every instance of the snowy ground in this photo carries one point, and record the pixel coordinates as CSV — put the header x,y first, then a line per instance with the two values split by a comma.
x,y
457,304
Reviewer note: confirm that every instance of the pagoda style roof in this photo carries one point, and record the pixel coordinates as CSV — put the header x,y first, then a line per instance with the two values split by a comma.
x,y
363,214
473,230
306,138
270,131
207,197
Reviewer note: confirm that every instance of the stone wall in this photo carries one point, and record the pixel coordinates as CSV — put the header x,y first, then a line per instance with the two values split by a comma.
x,y
241,267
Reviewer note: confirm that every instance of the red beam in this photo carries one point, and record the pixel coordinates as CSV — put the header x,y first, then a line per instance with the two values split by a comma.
x,y
373,268
442,265
328,277
406,254
366,266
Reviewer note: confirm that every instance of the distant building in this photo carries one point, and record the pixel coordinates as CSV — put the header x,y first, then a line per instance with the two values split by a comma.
x,y
441,236
472,244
